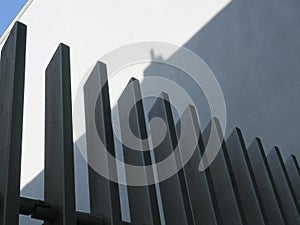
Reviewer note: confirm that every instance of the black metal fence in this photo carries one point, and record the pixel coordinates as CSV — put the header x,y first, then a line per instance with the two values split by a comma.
x,y
241,186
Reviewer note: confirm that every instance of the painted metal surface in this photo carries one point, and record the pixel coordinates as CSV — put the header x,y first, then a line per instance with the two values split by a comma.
x,y
265,183
199,183
282,186
143,204
222,181
238,162
177,209
59,160
104,194
12,72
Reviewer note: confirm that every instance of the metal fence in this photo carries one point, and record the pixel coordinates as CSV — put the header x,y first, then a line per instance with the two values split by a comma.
x,y
241,186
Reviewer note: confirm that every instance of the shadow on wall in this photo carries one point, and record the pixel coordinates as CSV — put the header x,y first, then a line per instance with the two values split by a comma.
x,y
35,189
253,49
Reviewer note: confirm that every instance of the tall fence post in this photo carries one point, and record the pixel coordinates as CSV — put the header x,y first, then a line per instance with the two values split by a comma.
x,y
265,183
11,119
199,185
282,183
104,194
59,160
293,171
173,190
221,179
143,204
242,174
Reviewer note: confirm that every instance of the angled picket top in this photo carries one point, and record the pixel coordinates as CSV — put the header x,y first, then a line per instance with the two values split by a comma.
x,y
238,161
12,78
199,184
59,164
143,203
265,183
293,172
222,185
173,191
283,186
104,194
242,186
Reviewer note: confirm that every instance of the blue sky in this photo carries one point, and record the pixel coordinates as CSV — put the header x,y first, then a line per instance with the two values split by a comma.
x,y
8,10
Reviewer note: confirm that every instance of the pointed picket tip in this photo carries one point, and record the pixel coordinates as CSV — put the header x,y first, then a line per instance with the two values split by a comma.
x,y
236,130
164,96
276,151
294,157
99,63
63,45
61,53
18,28
131,92
258,139
190,108
237,133
134,84
257,142
16,25
132,79
97,79
101,66
214,122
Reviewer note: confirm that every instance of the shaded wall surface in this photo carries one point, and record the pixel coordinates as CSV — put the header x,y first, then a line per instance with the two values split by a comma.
x,y
253,49
35,189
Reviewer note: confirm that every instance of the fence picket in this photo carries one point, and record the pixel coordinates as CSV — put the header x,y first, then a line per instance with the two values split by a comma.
x,y
292,168
222,180
104,194
285,197
201,196
11,120
143,203
59,161
265,183
237,159
175,202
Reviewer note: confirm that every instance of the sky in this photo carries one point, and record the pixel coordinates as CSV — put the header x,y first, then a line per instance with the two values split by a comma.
x,y
8,10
